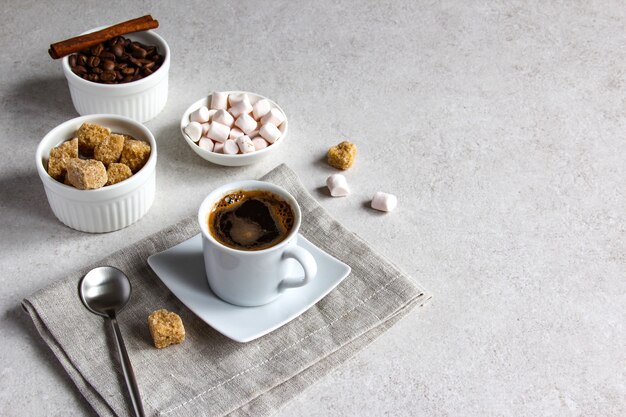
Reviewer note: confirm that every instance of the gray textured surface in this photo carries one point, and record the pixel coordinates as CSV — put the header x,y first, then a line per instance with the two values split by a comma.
x,y
500,127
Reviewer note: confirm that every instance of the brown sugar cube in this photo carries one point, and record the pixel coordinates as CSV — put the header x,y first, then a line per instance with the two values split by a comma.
x,y
342,156
166,328
117,173
109,150
59,157
86,174
89,135
135,154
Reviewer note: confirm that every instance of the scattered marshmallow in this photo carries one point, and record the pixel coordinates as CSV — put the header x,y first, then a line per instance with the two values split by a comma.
x,y
201,115
275,117
218,147
269,132
206,144
223,117
259,143
241,107
261,108
337,185
235,133
230,147
218,132
205,128
194,131
384,202
245,144
246,123
219,100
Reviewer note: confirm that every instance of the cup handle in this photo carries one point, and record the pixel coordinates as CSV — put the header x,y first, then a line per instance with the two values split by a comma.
x,y
308,263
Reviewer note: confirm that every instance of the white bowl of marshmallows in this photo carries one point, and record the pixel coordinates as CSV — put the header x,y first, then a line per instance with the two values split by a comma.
x,y
234,128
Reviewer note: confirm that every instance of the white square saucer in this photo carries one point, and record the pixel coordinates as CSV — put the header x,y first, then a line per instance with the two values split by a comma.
x,y
181,268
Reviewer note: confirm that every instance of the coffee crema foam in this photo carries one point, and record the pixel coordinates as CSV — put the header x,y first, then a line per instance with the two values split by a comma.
x,y
251,220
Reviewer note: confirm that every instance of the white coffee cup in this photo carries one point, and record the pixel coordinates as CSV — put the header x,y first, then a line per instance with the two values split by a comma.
x,y
254,277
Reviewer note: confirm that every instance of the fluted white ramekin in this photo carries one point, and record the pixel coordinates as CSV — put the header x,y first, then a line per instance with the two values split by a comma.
x,y
109,208
141,100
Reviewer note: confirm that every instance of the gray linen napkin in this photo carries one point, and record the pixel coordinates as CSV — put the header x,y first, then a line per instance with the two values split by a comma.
x,y
209,374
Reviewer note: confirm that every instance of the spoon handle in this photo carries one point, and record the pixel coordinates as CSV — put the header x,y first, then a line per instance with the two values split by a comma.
x,y
127,368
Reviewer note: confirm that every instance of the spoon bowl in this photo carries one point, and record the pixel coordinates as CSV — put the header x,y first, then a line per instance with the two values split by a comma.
x,y
105,290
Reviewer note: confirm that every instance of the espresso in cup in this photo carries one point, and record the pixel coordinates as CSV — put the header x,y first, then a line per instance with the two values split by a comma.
x,y
251,220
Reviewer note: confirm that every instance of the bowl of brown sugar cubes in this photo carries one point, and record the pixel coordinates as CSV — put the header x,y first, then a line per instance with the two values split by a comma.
x,y
234,128
98,172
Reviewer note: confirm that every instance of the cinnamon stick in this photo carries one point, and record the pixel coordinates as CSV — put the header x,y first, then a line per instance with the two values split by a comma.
x,y
69,46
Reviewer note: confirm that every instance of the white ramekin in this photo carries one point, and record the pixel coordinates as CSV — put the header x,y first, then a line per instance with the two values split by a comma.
x,y
140,100
109,208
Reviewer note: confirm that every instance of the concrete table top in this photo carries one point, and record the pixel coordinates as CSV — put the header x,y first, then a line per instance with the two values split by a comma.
x,y
499,126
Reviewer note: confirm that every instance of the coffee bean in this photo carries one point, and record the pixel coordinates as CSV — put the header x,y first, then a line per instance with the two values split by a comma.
x,y
80,70
93,61
117,50
97,50
108,65
107,55
108,76
118,60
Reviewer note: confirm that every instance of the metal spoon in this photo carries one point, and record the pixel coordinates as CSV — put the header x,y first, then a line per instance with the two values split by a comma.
x,y
105,291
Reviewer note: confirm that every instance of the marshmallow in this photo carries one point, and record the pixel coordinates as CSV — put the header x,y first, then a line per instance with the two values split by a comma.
x,y
206,144
205,128
245,144
337,185
384,202
219,100
193,131
269,132
240,107
246,123
254,133
218,132
230,147
261,108
235,133
218,147
259,143
275,117
201,115
211,113
223,117
235,98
